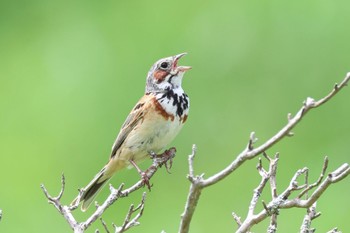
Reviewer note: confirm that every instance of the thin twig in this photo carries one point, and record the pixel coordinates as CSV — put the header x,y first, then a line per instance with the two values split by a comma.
x,y
115,194
310,215
252,141
320,178
273,172
248,153
104,225
190,162
334,230
265,176
237,219
128,222
282,202
272,228
193,195
64,210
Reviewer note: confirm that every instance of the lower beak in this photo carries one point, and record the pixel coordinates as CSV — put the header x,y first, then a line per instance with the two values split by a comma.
x,y
183,68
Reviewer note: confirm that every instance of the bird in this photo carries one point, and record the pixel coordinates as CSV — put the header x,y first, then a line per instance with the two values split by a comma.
x,y
152,124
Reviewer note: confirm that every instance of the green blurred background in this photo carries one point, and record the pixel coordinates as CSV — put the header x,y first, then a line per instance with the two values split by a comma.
x,y
71,71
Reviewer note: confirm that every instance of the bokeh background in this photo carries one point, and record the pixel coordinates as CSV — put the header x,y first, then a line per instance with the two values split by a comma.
x,y
71,71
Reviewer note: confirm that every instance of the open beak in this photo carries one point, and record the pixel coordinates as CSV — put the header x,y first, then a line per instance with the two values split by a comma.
x,y
179,68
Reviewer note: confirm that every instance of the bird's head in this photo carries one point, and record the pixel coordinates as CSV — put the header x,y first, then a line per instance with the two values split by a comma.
x,y
165,75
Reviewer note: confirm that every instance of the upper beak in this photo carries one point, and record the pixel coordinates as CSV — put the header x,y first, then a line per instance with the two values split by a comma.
x,y
177,57
180,68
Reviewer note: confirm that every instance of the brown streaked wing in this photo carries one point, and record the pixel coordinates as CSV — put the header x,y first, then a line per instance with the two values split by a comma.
x,y
136,114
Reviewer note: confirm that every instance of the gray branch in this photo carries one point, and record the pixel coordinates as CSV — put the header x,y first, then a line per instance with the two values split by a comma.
x,y
282,202
129,222
115,194
198,183
310,215
334,230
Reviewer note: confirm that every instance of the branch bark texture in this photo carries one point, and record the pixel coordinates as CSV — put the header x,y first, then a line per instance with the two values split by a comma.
x,y
115,194
282,200
198,183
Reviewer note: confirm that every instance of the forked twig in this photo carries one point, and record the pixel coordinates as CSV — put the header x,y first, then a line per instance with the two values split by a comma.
x,y
128,222
310,215
282,201
320,178
115,194
198,183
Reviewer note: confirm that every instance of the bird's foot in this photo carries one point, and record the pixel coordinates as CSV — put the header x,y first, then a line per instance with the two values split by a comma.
x,y
145,180
144,177
165,158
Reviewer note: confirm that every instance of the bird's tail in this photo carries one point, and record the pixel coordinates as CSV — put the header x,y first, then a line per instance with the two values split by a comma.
x,y
92,189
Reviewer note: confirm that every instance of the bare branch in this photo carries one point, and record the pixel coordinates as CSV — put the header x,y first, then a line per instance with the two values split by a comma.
x,y
273,171
190,163
237,219
193,195
66,211
334,177
273,224
198,183
320,178
104,225
311,215
282,202
334,230
249,154
273,186
128,222
336,89
252,141
265,176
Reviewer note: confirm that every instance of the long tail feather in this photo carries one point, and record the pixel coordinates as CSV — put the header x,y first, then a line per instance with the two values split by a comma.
x,y
91,193
92,189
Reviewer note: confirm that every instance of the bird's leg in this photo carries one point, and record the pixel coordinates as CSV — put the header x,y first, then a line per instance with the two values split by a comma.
x,y
143,174
158,161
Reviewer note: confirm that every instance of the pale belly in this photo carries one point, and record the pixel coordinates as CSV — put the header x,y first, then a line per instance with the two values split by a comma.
x,y
148,137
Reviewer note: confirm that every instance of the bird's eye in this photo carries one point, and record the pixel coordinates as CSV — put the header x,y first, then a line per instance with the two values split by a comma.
x,y
164,65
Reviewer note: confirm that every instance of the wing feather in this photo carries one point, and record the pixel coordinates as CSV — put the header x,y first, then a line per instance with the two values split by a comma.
x,y
133,119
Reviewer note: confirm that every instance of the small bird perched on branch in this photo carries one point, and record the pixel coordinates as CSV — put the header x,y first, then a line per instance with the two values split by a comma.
x,y
153,123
